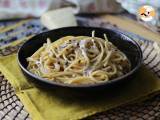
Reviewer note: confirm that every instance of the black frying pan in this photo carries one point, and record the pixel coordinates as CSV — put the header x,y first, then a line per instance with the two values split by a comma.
x,y
124,43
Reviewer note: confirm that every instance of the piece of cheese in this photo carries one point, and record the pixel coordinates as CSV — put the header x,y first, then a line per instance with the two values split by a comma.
x,y
63,17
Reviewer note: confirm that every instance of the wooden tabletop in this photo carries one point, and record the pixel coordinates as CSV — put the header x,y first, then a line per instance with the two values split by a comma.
x,y
132,26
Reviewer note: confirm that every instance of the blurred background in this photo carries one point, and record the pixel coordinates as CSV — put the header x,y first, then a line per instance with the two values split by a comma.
x,y
12,9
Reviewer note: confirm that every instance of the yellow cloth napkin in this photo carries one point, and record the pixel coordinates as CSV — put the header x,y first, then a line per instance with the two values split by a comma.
x,y
46,105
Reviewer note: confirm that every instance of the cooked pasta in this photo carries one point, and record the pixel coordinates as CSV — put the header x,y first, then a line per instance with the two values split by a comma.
x,y
79,60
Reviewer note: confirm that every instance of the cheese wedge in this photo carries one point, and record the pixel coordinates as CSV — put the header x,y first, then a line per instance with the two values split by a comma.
x,y
54,19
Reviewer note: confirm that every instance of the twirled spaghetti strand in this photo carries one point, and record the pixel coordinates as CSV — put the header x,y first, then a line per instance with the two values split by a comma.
x,y
79,60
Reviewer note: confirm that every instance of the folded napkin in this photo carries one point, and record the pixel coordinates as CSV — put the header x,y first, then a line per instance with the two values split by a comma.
x,y
46,105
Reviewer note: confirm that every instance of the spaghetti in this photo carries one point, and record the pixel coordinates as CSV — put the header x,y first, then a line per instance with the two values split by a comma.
x,y
79,60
